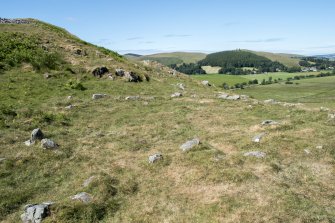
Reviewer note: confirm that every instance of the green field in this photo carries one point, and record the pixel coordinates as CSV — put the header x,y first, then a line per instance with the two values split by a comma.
x,y
314,92
219,79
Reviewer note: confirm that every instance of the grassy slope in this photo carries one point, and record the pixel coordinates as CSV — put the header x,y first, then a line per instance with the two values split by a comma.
x,y
112,138
286,59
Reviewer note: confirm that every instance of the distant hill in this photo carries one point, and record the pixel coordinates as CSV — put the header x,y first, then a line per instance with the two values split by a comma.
x,y
327,56
132,55
289,60
171,58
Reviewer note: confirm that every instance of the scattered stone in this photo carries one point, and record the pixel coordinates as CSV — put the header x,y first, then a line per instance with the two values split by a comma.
x,y
132,77
36,134
145,103
269,122
319,147
154,158
69,97
250,107
100,71
258,138
223,96
331,115
2,159
69,107
98,96
270,101
132,98
119,72
35,213
206,83
48,144
307,151
324,109
244,97
181,86
189,144
88,181
233,97
176,95
83,197
110,76
29,142
46,75
257,154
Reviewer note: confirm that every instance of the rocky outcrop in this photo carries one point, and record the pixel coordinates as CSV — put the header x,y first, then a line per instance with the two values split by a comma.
x,y
100,71
35,213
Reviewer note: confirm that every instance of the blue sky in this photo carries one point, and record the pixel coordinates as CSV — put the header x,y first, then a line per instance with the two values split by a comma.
x,y
150,26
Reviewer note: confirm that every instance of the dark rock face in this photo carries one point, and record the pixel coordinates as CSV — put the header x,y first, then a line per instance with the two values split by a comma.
x,y
100,71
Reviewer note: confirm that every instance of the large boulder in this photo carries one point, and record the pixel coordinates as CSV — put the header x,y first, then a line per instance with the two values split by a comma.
x,y
48,144
189,144
154,158
100,71
35,213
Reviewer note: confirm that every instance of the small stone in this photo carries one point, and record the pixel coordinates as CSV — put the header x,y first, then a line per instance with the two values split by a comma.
x,y
176,95
98,96
88,181
69,107
331,116
206,83
269,122
258,138
29,142
132,98
270,101
257,154
154,158
46,75
83,197
189,144
36,134
223,96
244,97
69,97
307,151
233,97
319,147
48,144
324,109
181,86
2,159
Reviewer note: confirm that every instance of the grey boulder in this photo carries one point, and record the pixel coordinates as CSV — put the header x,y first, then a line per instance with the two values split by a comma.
x,y
48,144
256,154
189,144
35,213
154,158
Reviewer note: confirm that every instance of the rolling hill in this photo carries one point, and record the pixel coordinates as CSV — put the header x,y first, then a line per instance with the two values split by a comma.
x,y
141,152
289,60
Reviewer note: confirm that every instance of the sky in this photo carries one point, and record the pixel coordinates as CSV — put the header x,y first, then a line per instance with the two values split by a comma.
x,y
151,26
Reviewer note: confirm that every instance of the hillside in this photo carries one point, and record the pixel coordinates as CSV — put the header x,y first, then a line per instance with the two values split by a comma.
x,y
141,152
289,60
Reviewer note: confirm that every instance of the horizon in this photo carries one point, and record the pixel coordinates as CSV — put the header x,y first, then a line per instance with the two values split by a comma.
x,y
150,27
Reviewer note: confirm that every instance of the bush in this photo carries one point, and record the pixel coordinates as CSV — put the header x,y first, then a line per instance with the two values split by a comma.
x,y
76,85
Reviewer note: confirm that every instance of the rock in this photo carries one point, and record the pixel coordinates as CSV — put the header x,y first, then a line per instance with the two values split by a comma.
x,y
206,83
223,96
88,181
233,97
331,115
244,97
35,213
132,77
98,96
257,154
324,109
29,142
189,144
154,158
46,75
258,138
83,197
119,72
269,122
181,86
69,107
132,98
69,97
176,95
270,101
2,159
307,151
48,144
36,134
100,71
319,147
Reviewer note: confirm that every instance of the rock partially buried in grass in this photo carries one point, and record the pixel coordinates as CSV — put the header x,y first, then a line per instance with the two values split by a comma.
x,y
181,86
269,122
176,95
69,107
156,157
257,154
258,138
233,97
98,96
270,101
132,98
331,116
2,159
35,213
49,144
88,181
189,144
83,197
206,83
